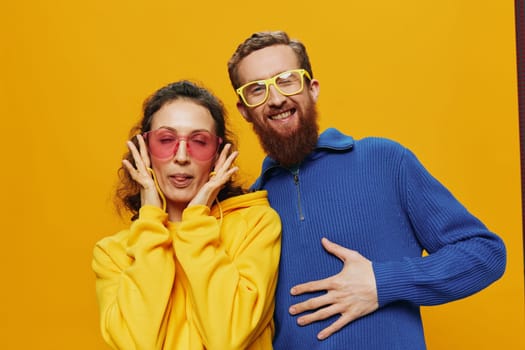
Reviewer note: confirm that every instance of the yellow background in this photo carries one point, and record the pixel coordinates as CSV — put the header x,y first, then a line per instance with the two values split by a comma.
x,y
438,76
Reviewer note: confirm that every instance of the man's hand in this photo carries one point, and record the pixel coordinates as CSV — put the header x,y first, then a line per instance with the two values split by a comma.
x,y
351,293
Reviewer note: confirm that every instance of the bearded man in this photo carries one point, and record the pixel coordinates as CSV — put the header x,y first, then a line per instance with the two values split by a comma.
x,y
369,203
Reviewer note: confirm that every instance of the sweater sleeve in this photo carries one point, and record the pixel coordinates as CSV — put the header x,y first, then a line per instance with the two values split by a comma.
x,y
463,255
231,292
135,271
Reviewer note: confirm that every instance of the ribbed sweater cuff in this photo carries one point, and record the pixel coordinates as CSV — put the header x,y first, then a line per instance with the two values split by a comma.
x,y
393,282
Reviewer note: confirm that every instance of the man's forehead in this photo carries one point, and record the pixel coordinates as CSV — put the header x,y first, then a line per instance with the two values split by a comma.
x,y
267,62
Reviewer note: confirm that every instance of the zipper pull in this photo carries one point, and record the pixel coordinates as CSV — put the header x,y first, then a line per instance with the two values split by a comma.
x,y
295,173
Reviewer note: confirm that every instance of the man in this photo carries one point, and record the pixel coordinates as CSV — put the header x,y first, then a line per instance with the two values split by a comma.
x,y
371,205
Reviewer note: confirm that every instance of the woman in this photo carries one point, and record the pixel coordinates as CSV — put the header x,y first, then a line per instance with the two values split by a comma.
x,y
197,267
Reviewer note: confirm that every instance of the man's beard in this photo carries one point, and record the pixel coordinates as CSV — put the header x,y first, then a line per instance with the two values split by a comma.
x,y
292,148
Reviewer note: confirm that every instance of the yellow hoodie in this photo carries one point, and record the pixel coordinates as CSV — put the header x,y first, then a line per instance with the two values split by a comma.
x,y
206,282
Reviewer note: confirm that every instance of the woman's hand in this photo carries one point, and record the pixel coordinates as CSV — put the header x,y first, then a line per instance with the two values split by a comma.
x,y
222,172
141,174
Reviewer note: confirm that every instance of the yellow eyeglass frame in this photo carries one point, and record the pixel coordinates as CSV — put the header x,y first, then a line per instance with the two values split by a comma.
x,y
272,81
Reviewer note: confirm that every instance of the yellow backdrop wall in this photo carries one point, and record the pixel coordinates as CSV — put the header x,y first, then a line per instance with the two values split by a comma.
x,y
440,77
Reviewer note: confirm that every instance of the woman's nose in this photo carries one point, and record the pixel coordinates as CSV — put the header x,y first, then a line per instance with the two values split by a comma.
x,y
181,154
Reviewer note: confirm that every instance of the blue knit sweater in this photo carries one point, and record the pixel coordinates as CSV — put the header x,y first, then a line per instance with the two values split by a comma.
x,y
374,196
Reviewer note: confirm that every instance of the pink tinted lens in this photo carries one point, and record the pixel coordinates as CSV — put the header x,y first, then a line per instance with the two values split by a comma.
x,y
202,145
164,143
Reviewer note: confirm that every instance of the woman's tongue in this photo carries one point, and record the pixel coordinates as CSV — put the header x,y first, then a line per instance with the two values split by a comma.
x,y
181,180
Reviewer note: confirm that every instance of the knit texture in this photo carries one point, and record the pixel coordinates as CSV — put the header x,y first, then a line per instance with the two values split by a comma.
x,y
375,197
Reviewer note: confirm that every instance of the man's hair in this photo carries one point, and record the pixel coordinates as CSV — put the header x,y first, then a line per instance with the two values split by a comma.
x,y
260,40
127,196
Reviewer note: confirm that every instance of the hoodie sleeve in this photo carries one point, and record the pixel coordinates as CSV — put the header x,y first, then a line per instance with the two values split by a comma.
x,y
135,270
463,255
231,291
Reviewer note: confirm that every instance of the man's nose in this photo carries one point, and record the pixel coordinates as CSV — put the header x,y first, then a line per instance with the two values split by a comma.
x,y
275,98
